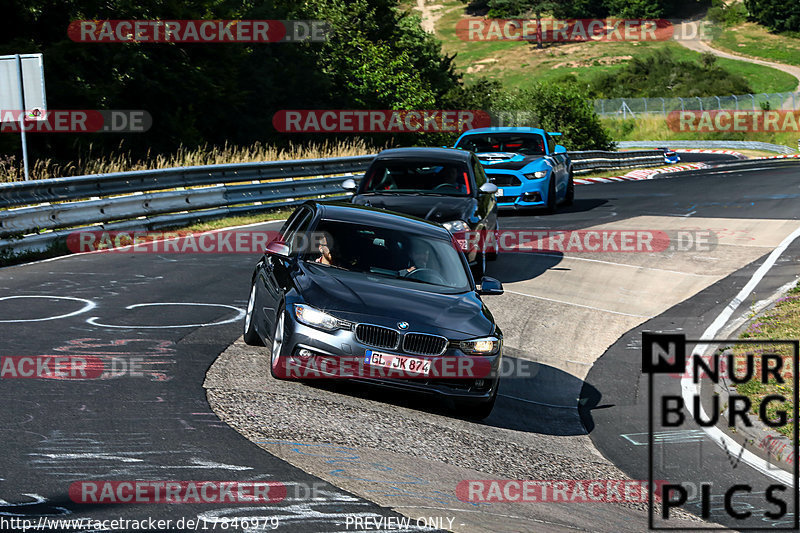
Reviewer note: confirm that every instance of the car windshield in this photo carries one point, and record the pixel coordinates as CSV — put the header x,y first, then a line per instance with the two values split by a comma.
x,y
410,258
397,177
521,143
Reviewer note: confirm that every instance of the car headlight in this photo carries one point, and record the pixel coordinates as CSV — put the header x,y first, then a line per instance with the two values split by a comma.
x,y
536,175
484,346
456,225
315,318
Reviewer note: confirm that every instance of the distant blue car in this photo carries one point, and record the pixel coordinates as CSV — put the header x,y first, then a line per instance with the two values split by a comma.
x,y
528,167
670,156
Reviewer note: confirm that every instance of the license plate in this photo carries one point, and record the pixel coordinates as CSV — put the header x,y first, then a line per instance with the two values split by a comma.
x,y
401,363
500,192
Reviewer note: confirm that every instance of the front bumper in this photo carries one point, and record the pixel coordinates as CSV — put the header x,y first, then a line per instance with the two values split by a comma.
x,y
309,353
532,193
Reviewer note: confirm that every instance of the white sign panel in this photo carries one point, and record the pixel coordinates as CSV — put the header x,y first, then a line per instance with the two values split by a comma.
x,y
32,83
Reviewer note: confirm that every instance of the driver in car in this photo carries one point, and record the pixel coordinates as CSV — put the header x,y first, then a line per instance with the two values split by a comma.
x,y
419,256
451,178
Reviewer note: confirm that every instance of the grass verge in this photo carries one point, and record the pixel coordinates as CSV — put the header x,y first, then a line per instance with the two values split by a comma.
x,y
184,157
780,322
655,128
753,40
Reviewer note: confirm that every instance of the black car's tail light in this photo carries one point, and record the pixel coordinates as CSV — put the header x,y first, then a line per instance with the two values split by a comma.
x,y
422,344
377,336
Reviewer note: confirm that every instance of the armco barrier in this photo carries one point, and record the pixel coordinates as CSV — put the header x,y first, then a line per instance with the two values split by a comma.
x,y
154,199
734,145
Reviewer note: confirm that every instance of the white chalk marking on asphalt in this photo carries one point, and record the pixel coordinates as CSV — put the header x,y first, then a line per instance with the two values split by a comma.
x,y
689,389
108,456
240,314
577,305
89,306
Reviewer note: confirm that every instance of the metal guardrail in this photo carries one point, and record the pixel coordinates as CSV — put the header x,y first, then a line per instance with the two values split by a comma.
x,y
729,145
78,187
155,199
589,161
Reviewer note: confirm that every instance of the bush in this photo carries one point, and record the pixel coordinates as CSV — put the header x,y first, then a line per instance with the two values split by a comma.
x,y
661,74
561,108
727,14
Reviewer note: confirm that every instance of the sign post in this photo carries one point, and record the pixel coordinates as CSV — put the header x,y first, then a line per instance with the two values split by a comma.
x,y
22,89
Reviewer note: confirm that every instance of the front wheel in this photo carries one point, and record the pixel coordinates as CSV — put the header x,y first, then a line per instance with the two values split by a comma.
x,y
251,337
277,365
552,202
493,248
570,196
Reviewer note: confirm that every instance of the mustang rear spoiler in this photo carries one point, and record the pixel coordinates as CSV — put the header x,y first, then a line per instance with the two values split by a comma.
x,y
554,133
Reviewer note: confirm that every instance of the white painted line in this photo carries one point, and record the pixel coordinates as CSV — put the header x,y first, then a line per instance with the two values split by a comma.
x,y
577,305
689,389
627,265
240,314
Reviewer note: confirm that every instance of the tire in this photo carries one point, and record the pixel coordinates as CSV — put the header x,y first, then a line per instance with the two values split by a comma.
x,y
570,197
552,202
480,411
492,255
251,337
277,365
479,269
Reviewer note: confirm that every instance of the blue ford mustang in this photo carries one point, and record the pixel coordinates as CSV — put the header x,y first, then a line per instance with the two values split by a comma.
x,y
526,164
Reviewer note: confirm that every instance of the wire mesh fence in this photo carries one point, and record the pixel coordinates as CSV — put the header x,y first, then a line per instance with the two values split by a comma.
x,y
631,107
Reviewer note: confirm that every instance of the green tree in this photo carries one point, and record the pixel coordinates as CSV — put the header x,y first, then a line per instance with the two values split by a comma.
x,y
777,15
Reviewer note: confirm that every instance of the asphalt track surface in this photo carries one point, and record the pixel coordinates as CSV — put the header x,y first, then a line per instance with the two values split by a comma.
x,y
156,424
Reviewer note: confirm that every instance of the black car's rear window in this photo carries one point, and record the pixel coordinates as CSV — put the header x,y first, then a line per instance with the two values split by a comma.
x,y
421,177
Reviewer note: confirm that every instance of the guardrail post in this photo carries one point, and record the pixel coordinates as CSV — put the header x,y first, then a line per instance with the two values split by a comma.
x,y
753,97
736,99
663,107
681,99
719,103
701,102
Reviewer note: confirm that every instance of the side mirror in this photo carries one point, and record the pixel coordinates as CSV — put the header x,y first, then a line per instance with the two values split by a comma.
x,y
278,248
488,188
349,185
490,286
560,150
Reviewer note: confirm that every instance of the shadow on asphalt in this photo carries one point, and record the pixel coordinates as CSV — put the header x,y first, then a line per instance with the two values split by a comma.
x,y
533,397
579,205
522,266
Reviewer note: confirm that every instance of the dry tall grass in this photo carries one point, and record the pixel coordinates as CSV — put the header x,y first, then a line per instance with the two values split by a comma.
x,y
10,167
